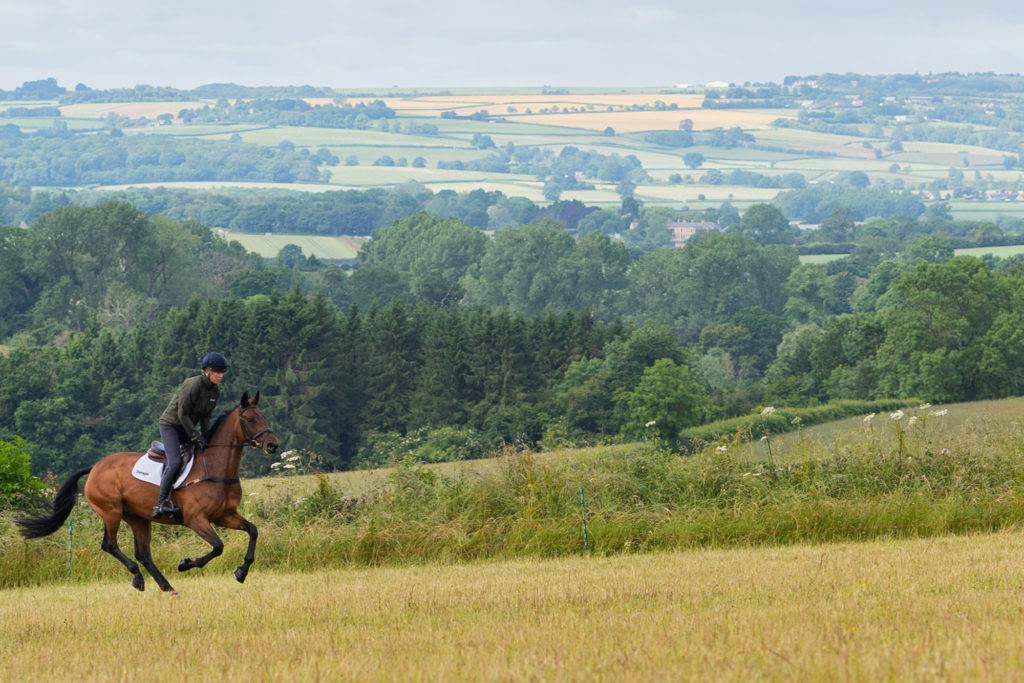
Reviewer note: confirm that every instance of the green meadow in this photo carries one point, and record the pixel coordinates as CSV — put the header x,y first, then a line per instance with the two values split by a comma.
x,y
324,248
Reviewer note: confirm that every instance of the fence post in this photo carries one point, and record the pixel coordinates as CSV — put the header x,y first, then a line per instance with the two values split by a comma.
x,y
71,532
583,514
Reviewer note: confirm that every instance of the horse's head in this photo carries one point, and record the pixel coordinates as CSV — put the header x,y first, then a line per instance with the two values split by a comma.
x,y
252,426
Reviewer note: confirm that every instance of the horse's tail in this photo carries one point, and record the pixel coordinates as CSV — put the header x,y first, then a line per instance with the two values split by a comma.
x,y
37,527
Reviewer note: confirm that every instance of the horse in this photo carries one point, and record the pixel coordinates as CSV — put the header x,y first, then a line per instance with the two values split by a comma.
x,y
210,495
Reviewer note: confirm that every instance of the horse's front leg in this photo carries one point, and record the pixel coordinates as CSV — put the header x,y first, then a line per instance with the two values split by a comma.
x,y
202,526
237,521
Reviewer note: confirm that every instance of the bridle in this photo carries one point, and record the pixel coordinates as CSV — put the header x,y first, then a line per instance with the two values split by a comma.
x,y
251,440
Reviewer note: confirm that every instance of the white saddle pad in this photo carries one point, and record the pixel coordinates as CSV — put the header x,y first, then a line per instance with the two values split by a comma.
x,y
150,470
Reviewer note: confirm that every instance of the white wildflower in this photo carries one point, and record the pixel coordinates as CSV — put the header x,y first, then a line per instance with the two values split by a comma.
x,y
289,466
274,465
912,421
650,423
870,417
292,459
721,449
939,413
924,406
898,415
764,438
768,410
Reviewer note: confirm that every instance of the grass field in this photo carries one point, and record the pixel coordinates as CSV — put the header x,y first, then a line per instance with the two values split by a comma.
x,y
938,609
1000,252
907,604
324,248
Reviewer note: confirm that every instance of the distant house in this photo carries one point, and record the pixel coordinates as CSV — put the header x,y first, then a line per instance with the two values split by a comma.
x,y
684,230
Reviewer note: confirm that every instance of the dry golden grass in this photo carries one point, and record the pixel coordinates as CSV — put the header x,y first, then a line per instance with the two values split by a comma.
x,y
939,609
596,117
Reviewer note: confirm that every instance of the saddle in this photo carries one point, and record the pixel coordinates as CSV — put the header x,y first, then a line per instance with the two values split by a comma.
x,y
158,453
149,467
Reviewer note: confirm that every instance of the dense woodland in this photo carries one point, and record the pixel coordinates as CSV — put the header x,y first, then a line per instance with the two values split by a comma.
x,y
443,336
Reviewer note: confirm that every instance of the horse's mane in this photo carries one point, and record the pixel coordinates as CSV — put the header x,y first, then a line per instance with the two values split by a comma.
x,y
216,424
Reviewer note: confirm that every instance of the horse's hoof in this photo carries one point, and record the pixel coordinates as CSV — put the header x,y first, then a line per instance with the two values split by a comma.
x,y
185,565
240,574
138,583
172,593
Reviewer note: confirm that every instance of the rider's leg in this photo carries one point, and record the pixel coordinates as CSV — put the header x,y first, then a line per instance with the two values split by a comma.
x,y
172,465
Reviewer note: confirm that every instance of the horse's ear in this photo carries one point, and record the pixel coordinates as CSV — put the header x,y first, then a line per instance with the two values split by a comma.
x,y
245,399
256,398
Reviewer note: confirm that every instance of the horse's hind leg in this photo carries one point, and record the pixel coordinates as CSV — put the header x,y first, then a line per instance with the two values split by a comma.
x,y
109,544
202,526
142,529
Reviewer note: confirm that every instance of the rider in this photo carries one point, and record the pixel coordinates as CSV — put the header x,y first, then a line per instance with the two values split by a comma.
x,y
192,403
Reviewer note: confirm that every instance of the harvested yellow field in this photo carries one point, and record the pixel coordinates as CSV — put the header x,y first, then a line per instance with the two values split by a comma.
x,y
435,104
601,110
938,609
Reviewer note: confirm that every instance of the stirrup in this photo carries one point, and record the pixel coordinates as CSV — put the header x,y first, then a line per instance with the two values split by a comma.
x,y
166,509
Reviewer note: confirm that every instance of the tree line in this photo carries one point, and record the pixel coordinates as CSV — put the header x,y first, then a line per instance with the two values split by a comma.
x,y
56,157
534,336
331,379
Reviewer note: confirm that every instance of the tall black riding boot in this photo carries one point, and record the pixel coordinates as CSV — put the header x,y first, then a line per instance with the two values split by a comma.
x,y
163,506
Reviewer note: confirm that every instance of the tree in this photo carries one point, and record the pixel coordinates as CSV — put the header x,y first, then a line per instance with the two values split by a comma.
x,y
594,274
552,189
765,224
935,316
858,179
838,227
291,256
603,220
693,160
524,268
669,396
430,255
929,248
16,480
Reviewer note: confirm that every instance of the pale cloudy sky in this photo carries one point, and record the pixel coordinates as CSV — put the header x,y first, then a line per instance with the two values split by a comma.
x,y
513,43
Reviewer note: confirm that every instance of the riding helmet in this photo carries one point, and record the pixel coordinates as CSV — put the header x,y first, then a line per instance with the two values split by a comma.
x,y
215,361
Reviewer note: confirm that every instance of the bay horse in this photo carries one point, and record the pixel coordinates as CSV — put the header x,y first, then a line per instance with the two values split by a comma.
x,y
209,496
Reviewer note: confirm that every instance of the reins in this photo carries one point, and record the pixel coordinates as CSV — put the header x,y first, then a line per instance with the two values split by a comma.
x,y
250,441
